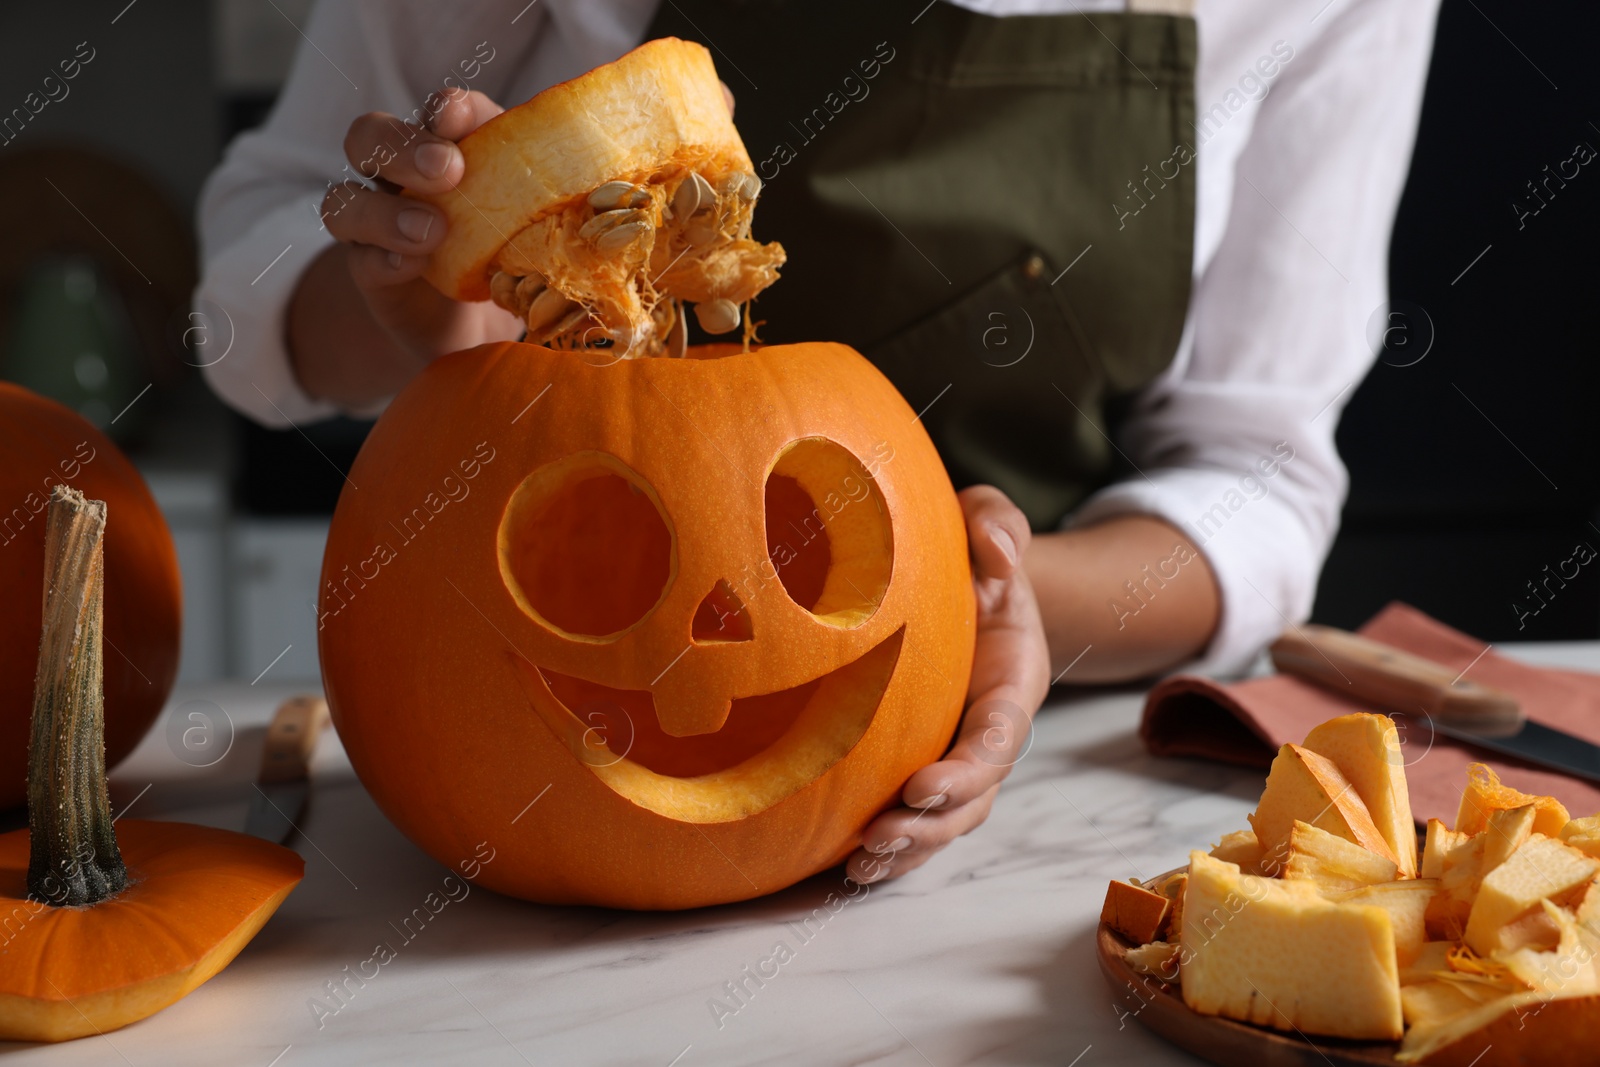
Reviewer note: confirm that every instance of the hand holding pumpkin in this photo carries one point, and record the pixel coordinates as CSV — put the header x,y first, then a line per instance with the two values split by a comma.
x,y
1010,676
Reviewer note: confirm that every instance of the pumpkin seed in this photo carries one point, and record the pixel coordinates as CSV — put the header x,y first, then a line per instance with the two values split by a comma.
x,y
572,318
604,221
612,231
546,308
717,316
749,188
618,194
619,237
677,340
694,195
527,289
503,289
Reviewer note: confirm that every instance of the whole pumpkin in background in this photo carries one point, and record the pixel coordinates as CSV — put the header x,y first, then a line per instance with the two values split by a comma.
x,y
664,633
43,444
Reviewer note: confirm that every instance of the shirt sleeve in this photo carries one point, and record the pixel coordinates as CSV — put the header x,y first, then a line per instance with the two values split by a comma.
x,y
260,224
1235,443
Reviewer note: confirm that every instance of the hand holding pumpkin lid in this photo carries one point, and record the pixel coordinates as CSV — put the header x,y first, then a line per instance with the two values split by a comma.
x,y
594,218
110,924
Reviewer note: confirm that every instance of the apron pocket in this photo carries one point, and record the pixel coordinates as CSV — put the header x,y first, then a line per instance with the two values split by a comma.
x,y
1009,389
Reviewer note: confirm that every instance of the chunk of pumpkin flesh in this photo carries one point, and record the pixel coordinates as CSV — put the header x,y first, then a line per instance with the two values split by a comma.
x,y
1438,1000
1305,786
1366,749
1332,862
1134,911
1279,954
1527,1029
1464,865
1541,870
1240,848
1439,843
1430,963
1158,959
1406,901
198,896
1486,794
1583,834
1570,969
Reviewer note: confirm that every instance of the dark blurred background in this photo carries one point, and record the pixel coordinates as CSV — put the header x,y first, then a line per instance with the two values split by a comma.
x,y
1472,468
1475,468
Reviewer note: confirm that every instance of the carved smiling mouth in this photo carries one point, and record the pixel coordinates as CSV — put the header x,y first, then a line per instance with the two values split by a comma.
x,y
771,746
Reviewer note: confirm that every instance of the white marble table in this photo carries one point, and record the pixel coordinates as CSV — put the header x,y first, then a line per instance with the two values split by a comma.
x,y
984,955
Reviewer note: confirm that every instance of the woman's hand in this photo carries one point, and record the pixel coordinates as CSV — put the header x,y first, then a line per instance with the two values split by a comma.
x,y
1010,676
363,321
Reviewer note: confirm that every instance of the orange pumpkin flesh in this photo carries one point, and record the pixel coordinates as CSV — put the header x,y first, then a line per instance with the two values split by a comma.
x,y
710,612
198,895
41,444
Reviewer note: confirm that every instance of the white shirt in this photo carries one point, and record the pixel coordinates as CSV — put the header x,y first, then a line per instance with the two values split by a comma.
x,y
1306,114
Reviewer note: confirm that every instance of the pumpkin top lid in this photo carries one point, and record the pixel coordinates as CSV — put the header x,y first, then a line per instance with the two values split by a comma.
x,y
598,207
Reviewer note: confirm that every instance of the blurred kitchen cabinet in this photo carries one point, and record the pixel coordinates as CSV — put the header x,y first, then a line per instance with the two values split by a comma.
x,y
195,505
275,564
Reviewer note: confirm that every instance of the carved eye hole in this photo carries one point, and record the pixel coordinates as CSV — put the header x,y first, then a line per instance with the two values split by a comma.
x,y
585,547
828,532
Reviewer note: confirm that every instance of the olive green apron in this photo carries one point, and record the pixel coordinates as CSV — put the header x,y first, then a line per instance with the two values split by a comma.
x,y
999,212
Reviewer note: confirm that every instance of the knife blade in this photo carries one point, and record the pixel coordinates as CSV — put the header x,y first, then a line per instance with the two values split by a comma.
x,y
283,785
1406,684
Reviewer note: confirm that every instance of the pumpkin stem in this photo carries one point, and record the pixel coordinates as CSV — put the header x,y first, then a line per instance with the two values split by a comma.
x,y
74,858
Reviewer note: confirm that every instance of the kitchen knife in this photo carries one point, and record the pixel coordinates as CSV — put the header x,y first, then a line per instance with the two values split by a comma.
x,y
284,784
1456,707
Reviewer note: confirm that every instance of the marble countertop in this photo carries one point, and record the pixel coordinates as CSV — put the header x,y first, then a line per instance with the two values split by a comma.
x,y
984,955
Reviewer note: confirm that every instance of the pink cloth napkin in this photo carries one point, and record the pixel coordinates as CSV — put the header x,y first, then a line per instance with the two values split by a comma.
x,y
1246,722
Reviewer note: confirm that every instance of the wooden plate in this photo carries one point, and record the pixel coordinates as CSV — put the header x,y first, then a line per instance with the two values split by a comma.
x,y
1160,1007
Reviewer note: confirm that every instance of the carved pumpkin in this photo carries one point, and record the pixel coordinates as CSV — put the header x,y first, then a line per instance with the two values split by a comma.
x,y
43,444
666,632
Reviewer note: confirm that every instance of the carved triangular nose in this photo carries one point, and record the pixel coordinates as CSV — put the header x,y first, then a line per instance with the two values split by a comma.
x,y
721,616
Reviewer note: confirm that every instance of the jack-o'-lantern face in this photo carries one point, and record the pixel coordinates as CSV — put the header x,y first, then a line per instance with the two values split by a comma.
x,y
720,607
587,550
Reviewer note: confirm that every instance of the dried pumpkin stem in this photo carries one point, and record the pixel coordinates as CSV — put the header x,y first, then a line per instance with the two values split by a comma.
x,y
74,858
